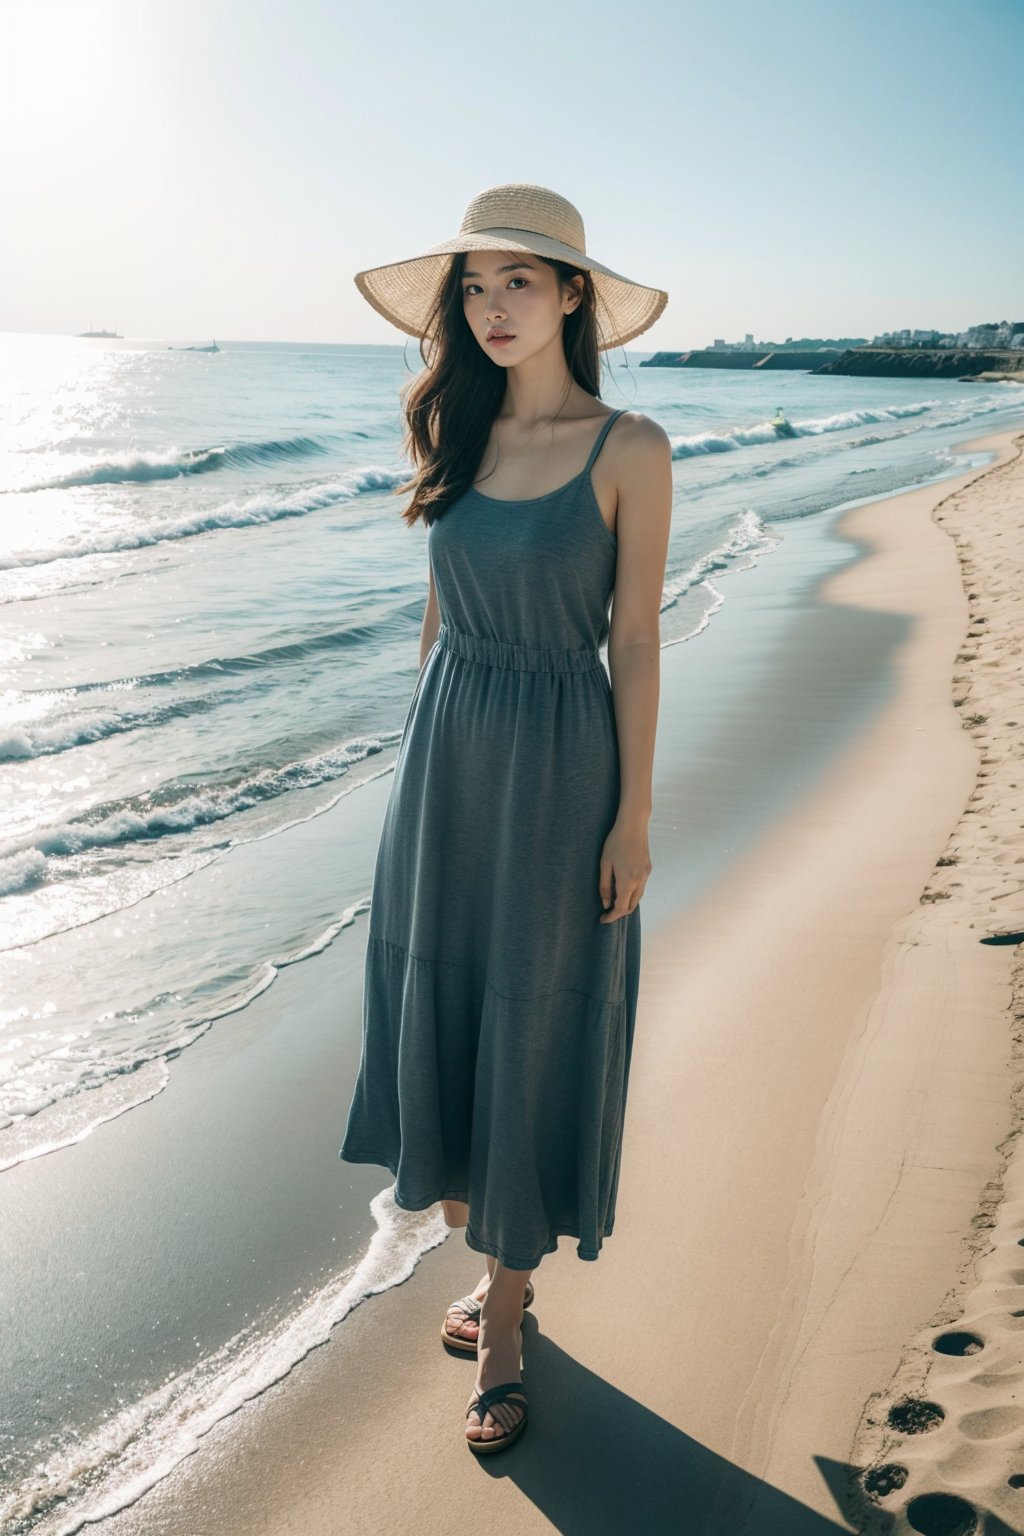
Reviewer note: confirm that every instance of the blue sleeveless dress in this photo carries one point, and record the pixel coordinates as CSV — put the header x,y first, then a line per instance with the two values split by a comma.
x,y
498,1012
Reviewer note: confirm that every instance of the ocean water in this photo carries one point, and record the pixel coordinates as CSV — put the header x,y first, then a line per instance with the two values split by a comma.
x,y
209,620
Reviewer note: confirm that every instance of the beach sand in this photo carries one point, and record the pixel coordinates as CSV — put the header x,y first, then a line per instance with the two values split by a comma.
x,y
824,1101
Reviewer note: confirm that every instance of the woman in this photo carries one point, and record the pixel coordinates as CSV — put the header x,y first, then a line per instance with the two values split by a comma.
x,y
503,948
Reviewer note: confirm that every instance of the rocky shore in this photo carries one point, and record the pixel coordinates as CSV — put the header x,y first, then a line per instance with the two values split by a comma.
x,y
929,362
968,363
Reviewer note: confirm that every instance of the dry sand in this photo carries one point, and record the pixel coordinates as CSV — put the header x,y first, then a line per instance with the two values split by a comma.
x,y
824,1101
944,1436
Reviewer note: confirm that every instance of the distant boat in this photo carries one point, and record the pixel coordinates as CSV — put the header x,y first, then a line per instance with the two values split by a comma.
x,y
113,335
214,348
783,427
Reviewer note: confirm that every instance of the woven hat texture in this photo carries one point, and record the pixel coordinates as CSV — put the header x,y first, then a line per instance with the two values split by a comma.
x,y
516,216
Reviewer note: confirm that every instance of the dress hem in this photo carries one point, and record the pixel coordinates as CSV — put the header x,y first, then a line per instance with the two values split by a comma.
x,y
589,1254
422,1204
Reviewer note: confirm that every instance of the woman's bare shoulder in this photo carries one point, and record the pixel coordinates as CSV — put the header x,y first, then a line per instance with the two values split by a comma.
x,y
639,445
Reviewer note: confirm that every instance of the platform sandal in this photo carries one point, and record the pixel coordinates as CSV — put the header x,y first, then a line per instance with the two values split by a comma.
x,y
471,1307
483,1402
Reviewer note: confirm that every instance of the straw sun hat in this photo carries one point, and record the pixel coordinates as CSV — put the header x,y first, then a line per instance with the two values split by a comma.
x,y
516,216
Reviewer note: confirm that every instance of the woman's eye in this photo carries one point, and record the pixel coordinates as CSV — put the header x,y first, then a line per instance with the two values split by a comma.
x,y
468,290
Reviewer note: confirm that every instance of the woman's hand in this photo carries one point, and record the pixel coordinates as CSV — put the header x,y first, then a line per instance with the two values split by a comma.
x,y
625,866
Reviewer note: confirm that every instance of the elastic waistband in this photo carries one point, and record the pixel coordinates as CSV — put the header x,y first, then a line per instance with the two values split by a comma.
x,y
516,655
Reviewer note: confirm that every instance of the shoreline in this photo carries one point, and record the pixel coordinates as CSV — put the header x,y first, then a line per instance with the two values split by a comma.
x,y
797,1180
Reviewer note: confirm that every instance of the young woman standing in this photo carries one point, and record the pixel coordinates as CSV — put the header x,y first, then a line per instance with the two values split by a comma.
x,y
503,949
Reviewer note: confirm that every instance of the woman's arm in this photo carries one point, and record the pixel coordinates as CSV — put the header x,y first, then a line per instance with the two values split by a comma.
x,y
643,464
431,619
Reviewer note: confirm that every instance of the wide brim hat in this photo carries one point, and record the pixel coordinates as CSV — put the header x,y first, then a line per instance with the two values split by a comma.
x,y
517,216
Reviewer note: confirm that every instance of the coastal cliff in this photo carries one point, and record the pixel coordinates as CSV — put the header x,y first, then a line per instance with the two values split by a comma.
x,y
968,363
929,362
707,358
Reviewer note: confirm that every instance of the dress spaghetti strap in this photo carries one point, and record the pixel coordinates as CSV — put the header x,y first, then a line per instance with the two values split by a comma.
x,y
608,423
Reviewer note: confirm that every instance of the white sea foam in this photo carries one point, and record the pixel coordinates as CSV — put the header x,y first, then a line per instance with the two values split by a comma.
x,y
92,1477
746,540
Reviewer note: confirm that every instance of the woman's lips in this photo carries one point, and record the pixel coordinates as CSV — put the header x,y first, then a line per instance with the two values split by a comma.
x,y
496,341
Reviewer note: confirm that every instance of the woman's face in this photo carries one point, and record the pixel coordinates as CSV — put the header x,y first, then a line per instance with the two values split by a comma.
x,y
516,293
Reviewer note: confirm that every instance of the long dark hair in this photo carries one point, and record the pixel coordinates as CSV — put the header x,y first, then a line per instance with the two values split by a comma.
x,y
450,407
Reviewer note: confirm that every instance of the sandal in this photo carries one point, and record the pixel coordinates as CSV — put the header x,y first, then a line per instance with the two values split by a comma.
x,y
471,1307
483,1402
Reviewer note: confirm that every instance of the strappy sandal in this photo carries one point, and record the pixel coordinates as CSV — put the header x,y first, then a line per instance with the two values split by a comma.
x,y
471,1306
483,1402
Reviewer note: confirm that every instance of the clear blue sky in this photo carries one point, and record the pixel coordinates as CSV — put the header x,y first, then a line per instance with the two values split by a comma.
x,y
197,168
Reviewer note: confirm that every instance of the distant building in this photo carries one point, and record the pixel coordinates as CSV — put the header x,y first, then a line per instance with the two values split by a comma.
x,y
993,335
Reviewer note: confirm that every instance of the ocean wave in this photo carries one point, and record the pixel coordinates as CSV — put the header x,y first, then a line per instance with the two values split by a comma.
x,y
39,736
987,408
23,740
176,809
764,432
169,463
266,507
108,1070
